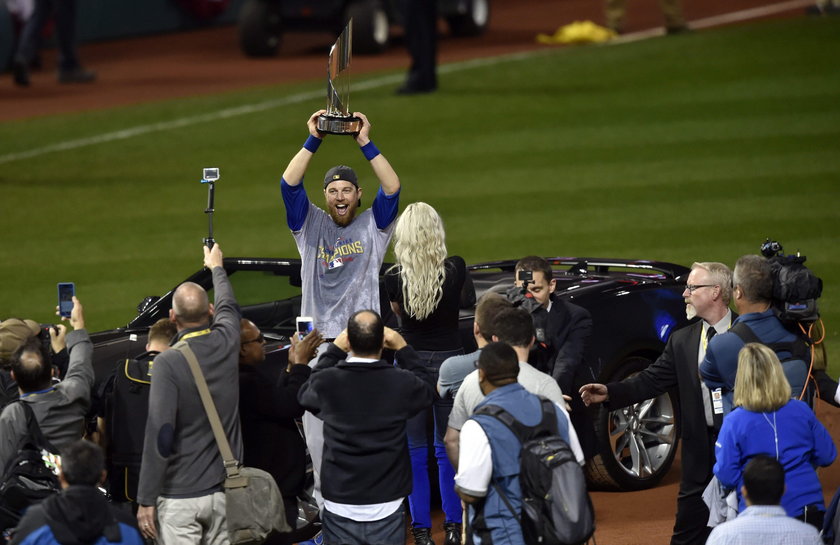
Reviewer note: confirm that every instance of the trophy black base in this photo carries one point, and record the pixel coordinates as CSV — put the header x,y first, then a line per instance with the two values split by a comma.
x,y
333,124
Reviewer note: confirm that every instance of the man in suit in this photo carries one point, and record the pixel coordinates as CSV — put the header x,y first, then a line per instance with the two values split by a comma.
x,y
706,294
562,331
268,408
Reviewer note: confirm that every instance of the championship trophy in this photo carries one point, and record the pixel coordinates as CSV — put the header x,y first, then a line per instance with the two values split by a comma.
x,y
338,119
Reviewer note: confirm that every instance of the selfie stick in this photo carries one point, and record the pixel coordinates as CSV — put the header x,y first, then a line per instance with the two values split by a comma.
x,y
211,191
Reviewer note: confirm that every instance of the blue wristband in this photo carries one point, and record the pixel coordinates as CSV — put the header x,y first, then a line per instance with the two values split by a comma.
x,y
370,151
312,143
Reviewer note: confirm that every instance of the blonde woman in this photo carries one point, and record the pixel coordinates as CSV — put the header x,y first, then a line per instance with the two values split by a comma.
x,y
767,421
426,289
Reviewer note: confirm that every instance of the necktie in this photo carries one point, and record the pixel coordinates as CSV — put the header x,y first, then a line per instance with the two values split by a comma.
x,y
717,419
709,334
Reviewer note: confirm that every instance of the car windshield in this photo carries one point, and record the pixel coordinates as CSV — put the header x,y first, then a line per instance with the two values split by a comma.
x,y
255,287
267,299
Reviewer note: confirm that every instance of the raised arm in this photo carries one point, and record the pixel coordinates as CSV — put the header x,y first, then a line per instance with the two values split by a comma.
x,y
293,175
388,178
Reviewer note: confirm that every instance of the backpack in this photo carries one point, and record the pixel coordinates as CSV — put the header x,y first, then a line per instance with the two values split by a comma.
x,y
126,408
31,476
556,508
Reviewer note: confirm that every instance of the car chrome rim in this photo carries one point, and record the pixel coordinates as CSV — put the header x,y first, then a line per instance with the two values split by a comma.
x,y
380,27
643,435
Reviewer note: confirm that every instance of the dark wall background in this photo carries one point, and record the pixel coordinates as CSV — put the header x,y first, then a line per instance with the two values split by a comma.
x,y
110,19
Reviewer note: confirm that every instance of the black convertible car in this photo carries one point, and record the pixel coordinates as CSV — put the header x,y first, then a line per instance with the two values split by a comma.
x,y
635,306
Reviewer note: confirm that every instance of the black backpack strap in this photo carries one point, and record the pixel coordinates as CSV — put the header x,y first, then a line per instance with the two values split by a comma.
x,y
549,417
798,348
521,431
546,426
745,333
506,500
34,435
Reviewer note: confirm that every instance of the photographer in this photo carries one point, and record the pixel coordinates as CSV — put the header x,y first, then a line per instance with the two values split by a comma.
x,y
752,293
58,408
14,332
562,330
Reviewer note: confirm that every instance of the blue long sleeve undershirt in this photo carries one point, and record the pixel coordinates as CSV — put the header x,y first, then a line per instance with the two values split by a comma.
x,y
385,207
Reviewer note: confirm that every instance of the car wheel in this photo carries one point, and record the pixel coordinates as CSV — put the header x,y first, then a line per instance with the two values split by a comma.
x,y
472,21
371,26
636,444
259,28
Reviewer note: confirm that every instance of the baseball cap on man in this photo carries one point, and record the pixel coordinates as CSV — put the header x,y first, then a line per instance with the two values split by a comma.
x,y
13,333
340,173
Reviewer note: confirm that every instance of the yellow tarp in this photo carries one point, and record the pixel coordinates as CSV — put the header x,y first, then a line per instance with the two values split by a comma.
x,y
579,32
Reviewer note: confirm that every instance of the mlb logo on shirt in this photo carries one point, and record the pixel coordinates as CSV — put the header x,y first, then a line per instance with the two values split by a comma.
x,y
335,263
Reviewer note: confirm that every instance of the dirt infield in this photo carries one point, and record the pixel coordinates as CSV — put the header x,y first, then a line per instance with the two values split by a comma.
x,y
647,517
204,62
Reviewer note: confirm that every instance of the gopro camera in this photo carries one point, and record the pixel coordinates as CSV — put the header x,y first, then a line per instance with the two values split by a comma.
x,y
524,276
211,174
770,248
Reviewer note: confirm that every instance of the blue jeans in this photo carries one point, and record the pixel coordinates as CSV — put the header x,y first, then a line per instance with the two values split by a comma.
x,y
418,447
338,530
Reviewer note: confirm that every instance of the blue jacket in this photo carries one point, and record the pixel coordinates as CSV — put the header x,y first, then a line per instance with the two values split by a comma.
x,y
721,363
803,443
494,522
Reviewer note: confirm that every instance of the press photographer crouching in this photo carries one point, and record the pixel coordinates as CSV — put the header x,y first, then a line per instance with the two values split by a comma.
x,y
562,330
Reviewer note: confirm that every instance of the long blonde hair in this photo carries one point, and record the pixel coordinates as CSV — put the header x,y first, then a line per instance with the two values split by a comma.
x,y
760,383
420,251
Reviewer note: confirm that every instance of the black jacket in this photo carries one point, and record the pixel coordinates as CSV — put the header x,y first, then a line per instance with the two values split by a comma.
x,y
268,407
567,331
364,407
676,367
79,515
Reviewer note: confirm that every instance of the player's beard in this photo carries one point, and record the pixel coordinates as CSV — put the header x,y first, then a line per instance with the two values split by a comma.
x,y
347,218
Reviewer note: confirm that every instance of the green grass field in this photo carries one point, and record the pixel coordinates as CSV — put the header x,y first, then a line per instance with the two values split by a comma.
x,y
686,148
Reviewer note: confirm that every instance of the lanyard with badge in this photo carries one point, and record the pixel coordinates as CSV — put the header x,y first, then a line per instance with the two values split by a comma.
x,y
717,393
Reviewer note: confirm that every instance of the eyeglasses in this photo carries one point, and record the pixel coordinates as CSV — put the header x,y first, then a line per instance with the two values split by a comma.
x,y
259,339
693,287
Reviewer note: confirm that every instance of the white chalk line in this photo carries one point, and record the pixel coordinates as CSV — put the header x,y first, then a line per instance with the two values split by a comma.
x,y
374,83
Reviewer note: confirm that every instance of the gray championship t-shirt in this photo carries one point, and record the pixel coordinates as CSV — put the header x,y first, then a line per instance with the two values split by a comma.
x,y
340,267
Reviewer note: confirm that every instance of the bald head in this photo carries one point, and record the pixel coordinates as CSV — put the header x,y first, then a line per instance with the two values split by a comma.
x,y
366,334
31,366
190,305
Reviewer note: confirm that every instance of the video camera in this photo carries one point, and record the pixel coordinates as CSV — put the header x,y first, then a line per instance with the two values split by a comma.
x,y
519,296
795,288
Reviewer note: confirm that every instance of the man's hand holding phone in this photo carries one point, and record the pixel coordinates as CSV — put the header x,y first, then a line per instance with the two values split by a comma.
x,y
303,350
77,317
304,325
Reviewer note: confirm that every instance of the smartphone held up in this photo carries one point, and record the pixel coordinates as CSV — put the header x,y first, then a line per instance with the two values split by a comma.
x,y
66,291
303,325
